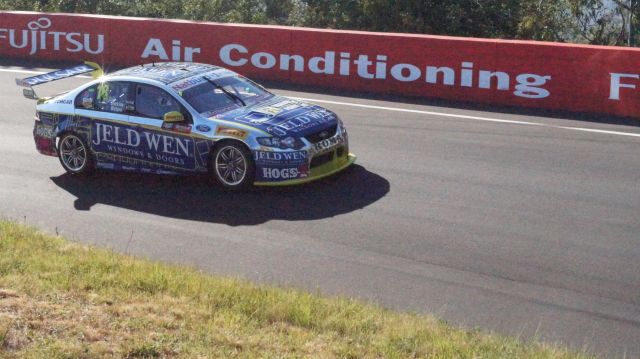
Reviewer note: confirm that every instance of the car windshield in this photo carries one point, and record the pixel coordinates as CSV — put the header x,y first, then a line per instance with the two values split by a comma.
x,y
218,95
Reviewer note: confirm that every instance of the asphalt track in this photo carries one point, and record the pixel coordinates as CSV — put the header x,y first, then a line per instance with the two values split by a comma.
x,y
524,225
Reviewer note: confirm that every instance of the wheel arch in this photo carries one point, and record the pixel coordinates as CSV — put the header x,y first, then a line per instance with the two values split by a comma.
x,y
251,165
63,133
225,140
67,131
90,155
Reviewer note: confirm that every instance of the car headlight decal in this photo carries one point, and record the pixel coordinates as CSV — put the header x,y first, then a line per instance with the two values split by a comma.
x,y
282,143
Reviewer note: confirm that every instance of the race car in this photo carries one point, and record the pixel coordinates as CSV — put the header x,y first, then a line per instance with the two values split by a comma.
x,y
181,118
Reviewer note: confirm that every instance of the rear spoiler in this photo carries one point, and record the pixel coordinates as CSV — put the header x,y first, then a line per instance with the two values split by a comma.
x,y
95,69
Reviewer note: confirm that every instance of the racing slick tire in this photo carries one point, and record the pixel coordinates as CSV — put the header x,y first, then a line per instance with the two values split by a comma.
x,y
232,165
75,155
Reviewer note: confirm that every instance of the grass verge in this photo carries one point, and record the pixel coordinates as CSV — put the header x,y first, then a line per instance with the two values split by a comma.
x,y
59,299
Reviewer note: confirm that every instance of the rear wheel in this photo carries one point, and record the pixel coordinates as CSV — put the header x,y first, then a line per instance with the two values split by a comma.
x,y
74,155
233,166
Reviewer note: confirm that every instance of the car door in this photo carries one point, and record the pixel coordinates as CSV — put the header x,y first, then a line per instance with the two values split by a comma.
x,y
168,146
105,107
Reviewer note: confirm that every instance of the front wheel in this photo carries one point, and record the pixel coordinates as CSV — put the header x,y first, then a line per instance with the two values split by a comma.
x,y
233,166
74,155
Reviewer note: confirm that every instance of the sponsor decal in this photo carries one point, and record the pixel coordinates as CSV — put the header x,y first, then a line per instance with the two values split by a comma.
x,y
66,122
622,81
274,166
155,48
54,75
38,36
43,131
279,166
281,173
282,158
327,144
281,106
188,83
466,75
176,127
302,122
140,144
230,131
515,73
125,163
203,128
49,125
288,122
64,102
260,115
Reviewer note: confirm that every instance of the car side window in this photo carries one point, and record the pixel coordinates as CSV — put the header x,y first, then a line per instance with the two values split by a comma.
x,y
106,97
154,102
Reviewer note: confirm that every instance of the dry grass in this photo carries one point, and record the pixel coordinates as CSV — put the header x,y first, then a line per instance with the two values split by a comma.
x,y
61,300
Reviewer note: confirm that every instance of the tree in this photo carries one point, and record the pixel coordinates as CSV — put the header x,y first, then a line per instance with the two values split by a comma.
x,y
630,16
603,22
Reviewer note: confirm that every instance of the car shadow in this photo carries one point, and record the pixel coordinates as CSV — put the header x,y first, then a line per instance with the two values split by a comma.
x,y
196,198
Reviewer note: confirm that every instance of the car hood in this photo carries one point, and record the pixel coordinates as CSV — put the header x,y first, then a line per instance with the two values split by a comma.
x,y
282,117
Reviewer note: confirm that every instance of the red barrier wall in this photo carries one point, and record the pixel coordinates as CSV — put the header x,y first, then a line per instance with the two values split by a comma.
x,y
569,77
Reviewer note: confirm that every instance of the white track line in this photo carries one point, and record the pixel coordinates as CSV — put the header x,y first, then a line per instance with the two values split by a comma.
x,y
475,118
421,112
432,113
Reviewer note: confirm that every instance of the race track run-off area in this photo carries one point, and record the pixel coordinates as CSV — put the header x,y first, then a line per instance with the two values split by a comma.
x,y
527,226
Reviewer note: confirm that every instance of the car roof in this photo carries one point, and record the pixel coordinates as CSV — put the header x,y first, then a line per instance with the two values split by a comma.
x,y
166,72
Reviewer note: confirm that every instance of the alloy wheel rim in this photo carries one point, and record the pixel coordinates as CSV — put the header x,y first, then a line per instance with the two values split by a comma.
x,y
231,166
73,153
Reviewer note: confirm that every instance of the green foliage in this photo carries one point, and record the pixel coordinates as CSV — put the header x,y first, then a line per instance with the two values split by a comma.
x,y
544,20
603,22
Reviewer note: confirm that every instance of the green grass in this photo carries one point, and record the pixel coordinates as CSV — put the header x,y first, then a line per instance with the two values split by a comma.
x,y
63,300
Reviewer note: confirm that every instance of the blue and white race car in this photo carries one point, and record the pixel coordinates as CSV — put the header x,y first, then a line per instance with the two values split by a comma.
x,y
178,118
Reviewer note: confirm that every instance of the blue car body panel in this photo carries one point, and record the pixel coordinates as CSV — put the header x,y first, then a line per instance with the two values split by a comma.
x,y
283,117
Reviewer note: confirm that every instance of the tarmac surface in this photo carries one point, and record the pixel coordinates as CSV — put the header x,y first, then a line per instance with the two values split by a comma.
x,y
519,224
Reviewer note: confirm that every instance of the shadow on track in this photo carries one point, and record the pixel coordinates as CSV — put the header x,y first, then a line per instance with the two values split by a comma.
x,y
196,198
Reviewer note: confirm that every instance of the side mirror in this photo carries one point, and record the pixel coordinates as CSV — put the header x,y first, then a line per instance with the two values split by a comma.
x,y
172,117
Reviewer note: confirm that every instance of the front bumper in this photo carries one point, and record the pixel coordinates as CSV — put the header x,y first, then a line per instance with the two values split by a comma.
x,y
335,165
